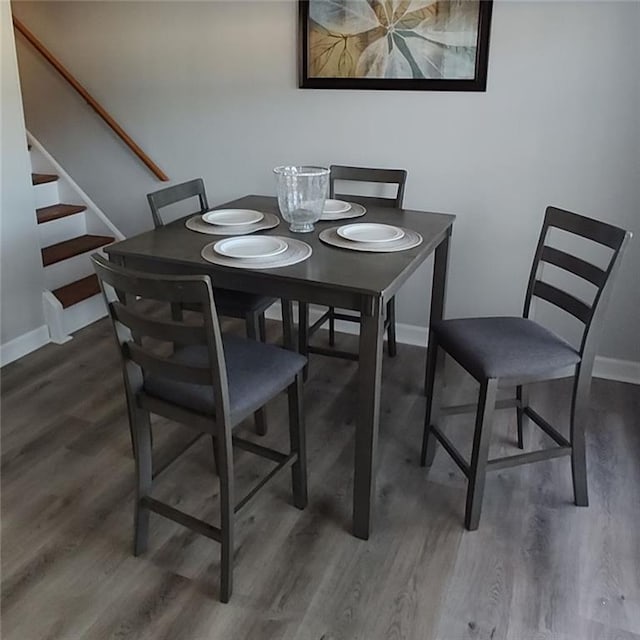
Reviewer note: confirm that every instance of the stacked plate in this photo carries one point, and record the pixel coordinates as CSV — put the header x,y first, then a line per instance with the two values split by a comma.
x,y
232,222
371,236
341,210
256,252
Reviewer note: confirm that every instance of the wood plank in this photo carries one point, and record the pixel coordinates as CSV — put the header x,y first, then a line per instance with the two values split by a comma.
x,y
56,211
77,291
42,178
75,246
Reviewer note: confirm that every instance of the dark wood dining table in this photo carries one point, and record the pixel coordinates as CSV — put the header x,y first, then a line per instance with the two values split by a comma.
x,y
331,276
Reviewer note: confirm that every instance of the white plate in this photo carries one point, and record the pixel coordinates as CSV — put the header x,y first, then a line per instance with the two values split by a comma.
x,y
245,247
232,217
297,251
335,206
196,223
409,240
369,232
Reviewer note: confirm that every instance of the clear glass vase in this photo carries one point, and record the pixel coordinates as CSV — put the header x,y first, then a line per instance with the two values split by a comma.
x,y
301,195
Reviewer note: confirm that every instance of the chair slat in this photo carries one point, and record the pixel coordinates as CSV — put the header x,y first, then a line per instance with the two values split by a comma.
x,y
364,174
562,299
594,230
167,330
166,368
574,265
164,288
177,193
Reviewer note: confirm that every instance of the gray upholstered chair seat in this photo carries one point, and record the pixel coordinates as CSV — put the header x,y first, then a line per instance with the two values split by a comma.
x,y
236,304
255,373
504,347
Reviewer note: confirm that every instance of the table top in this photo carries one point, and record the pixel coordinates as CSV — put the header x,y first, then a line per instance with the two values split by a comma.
x,y
352,273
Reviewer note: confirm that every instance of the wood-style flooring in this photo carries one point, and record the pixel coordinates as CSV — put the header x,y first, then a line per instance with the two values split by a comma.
x,y
537,569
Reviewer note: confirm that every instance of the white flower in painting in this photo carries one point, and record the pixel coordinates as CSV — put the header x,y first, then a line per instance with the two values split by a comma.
x,y
344,16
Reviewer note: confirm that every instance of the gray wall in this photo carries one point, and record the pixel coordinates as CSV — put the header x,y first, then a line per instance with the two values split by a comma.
x,y
209,89
20,263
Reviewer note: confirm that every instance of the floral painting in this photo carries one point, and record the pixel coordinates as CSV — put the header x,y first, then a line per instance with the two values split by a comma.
x,y
385,44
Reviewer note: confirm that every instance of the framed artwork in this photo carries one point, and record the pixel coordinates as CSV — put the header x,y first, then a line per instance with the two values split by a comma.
x,y
432,45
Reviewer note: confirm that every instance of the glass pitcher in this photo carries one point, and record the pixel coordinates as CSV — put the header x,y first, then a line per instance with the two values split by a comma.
x,y
301,194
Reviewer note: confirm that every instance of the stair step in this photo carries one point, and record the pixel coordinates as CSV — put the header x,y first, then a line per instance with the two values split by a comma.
x,y
42,178
55,211
75,246
77,291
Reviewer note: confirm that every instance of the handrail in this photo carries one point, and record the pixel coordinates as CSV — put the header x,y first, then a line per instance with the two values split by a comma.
x,y
91,101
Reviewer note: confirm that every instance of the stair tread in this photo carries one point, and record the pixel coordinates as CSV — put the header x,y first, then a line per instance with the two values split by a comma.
x,y
77,291
55,211
42,178
69,248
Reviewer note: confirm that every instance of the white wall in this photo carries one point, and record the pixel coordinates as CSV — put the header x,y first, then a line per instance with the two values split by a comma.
x,y
21,316
209,89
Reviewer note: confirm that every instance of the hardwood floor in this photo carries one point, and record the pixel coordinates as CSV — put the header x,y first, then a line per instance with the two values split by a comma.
x,y
538,567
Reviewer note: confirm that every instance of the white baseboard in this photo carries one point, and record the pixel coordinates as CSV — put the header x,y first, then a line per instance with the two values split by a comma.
x,y
607,368
24,344
405,333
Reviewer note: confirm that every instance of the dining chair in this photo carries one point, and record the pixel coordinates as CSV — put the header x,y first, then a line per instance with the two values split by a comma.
x,y
210,382
232,304
339,173
517,351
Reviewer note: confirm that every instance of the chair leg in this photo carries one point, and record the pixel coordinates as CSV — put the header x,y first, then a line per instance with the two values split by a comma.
x,y
216,455
391,329
303,335
176,311
227,501
332,327
522,395
579,403
298,443
252,321
480,453
262,327
144,477
433,390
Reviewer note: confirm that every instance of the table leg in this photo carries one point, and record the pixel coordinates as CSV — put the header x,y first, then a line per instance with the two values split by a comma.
x,y
303,334
288,333
439,286
369,381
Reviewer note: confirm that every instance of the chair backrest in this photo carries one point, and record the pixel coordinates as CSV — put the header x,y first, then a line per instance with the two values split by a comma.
x,y
177,193
145,335
396,177
589,313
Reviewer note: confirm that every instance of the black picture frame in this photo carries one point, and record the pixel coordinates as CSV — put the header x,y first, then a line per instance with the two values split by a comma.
x,y
477,83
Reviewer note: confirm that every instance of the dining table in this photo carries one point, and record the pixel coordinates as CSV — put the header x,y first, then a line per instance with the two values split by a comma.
x,y
352,280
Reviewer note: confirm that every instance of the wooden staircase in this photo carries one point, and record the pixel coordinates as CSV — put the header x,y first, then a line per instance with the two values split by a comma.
x,y
55,211
43,178
71,227
77,291
73,247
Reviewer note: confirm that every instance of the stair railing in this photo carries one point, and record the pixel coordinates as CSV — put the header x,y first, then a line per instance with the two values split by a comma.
x,y
91,101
